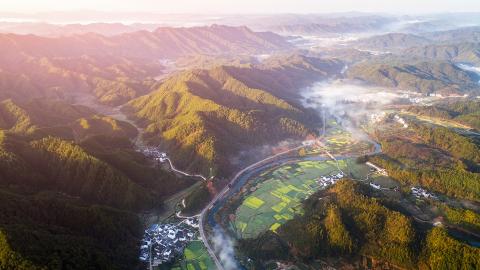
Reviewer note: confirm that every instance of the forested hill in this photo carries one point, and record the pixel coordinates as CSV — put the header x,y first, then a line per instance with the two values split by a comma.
x,y
114,69
441,77
40,117
398,41
203,117
349,221
467,52
74,202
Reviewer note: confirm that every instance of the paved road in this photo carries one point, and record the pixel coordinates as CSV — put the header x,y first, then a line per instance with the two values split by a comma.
x,y
221,194
184,173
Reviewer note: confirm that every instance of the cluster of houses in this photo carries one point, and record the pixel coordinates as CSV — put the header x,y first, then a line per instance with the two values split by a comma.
x,y
401,121
375,186
155,153
329,180
419,192
377,117
162,242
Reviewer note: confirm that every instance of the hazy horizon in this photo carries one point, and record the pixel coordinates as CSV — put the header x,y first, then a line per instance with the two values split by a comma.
x,y
243,7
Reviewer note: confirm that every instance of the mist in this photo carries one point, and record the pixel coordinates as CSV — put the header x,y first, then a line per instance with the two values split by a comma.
x,y
224,247
350,104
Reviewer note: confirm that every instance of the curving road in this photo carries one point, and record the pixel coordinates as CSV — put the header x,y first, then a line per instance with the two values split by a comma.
x,y
184,173
221,195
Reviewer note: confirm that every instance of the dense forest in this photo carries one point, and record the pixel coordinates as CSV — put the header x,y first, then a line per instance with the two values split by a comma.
x,y
75,204
347,220
434,157
423,76
467,113
38,118
204,117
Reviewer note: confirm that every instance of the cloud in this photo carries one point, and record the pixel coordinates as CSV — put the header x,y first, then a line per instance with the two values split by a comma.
x,y
350,104
224,247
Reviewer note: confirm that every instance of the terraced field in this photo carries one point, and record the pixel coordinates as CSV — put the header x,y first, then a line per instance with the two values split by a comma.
x,y
277,197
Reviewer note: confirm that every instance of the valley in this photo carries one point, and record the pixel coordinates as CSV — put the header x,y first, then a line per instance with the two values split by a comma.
x,y
296,142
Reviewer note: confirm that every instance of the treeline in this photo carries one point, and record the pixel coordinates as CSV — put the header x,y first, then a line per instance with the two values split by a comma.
x,y
465,112
346,222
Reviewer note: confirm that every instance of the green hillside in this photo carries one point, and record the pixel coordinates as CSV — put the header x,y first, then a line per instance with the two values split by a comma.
x,y
203,117
40,117
348,221
75,204
416,75
459,52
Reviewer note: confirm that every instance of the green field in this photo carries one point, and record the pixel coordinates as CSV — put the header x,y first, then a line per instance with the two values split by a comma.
x,y
278,196
339,141
195,257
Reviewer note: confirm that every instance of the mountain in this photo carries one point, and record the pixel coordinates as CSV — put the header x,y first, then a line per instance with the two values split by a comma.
x,y
41,117
395,41
463,34
75,202
460,52
205,117
350,220
64,232
57,30
416,75
114,69
318,24
164,42
113,80
391,41
467,113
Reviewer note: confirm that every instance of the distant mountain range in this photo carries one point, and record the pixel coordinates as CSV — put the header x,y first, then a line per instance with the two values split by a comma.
x,y
162,43
335,25
114,69
396,41
467,52
392,41
56,30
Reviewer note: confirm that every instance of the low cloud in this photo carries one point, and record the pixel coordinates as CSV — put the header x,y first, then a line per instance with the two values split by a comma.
x,y
349,104
224,247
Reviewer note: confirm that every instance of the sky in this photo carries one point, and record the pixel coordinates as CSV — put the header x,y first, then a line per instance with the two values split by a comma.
x,y
242,6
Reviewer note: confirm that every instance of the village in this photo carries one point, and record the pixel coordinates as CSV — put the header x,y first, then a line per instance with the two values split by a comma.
x,y
326,181
419,192
155,153
163,242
